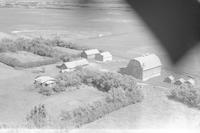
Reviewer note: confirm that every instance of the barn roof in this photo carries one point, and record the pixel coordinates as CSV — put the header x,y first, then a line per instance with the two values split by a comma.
x,y
76,63
43,79
91,51
106,54
149,61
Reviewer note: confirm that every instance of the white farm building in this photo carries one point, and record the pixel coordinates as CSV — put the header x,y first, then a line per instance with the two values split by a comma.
x,y
89,54
72,65
144,67
44,81
104,56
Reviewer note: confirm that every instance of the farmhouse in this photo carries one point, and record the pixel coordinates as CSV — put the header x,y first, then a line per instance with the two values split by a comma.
x,y
104,56
190,82
179,81
89,54
72,65
144,67
44,81
169,79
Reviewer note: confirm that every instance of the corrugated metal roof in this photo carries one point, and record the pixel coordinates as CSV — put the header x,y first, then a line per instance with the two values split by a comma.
x,y
149,61
43,79
91,51
76,63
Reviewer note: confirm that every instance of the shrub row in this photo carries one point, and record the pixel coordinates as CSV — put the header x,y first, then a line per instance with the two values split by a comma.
x,y
187,95
16,63
115,99
39,46
103,81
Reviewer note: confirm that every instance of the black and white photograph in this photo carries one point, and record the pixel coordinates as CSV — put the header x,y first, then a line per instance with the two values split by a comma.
x,y
99,66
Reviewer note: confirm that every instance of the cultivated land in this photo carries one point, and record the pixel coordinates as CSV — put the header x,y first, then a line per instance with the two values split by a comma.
x,y
117,31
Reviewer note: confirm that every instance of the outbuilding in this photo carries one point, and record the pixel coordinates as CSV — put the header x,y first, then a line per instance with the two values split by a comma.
x,y
90,54
104,56
144,67
190,82
72,65
44,81
169,79
180,81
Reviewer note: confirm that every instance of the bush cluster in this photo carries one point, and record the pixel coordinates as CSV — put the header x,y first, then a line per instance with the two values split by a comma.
x,y
38,116
103,81
39,46
187,95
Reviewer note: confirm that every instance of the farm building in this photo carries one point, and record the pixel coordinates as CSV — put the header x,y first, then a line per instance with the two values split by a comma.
x,y
190,82
179,81
72,65
169,79
104,56
44,81
89,54
144,67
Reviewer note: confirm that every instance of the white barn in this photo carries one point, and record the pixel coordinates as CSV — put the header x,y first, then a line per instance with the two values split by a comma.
x,y
44,81
144,67
104,56
90,54
169,79
190,82
179,81
72,65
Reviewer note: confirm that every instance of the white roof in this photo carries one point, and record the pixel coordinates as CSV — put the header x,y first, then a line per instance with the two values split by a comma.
x,y
149,61
191,81
181,80
43,79
170,77
76,63
49,82
106,54
91,51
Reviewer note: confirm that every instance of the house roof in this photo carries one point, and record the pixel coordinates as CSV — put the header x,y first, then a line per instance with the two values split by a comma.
x,y
91,51
43,79
105,54
148,61
76,63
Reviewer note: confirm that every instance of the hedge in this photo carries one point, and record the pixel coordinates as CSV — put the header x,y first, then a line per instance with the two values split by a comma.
x,y
16,63
186,95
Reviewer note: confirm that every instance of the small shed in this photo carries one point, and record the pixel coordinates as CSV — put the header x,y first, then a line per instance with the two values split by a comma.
x,y
44,81
144,67
169,79
90,54
72,65
179,81
190,82
104,56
